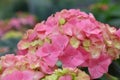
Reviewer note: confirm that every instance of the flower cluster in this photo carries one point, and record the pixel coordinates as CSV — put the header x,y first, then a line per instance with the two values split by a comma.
x,y
22,19
31,67
75,39
67,74
28,67
17,22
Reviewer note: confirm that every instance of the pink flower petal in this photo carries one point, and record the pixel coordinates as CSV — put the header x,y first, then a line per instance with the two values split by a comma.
x,y
71,57
118,33
97,67
66,77
45,68
51,60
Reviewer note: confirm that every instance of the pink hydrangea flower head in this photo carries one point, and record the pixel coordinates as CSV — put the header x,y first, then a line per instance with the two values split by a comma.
x,y
76,39
8,60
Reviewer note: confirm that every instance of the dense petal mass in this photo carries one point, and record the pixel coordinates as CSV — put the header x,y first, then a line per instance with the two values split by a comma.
x,y
74,38
19,75
8,60
67,74
60,41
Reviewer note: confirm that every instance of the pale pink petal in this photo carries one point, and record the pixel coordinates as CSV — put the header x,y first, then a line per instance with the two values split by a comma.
x,y
66,77
118,33
67,29
48,49
60,40
51,60
97,67
71,57
45,68
38,75
28,75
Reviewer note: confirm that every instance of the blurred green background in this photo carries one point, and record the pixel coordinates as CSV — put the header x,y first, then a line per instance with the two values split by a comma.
x,y
106,11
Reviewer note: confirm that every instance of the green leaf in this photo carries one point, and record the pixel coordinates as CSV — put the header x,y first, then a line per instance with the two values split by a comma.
x,y
108,77
114,69
115,22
